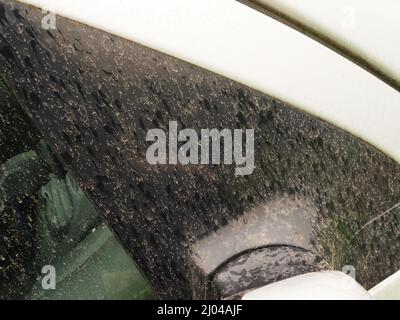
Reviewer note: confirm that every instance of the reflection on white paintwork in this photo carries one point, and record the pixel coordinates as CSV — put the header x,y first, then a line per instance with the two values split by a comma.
x,y
325,285
389,289
368,28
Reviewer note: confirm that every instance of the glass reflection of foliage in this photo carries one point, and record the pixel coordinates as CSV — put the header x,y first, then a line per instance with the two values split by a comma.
x,y
45,219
